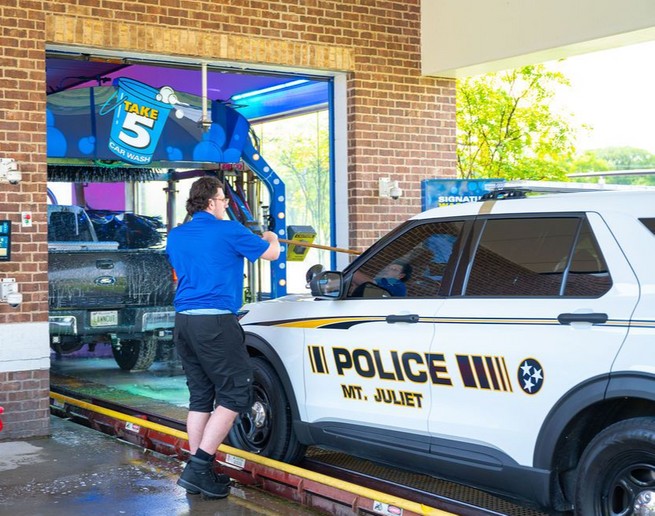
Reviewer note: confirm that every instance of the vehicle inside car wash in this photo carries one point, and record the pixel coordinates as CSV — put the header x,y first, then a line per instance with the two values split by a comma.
x,y
125,140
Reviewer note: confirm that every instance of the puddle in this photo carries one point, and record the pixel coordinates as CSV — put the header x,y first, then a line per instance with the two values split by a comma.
x,y
17,453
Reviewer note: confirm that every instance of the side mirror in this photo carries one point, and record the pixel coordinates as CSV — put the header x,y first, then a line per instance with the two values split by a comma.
x,y
313,271
327,285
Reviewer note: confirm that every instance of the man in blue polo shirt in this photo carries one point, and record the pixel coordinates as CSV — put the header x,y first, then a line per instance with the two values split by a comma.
x,y
207,255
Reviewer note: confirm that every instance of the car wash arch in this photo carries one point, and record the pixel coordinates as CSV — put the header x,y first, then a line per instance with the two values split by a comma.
x,y
127,134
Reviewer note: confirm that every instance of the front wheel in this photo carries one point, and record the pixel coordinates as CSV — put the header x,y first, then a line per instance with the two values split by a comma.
x,y
267,429
135,355
616,475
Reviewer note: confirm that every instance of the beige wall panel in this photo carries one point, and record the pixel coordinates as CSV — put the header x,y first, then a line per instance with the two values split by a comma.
x,y
469,37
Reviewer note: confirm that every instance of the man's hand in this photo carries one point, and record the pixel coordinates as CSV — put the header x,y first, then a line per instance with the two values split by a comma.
x,y
269,236
273,251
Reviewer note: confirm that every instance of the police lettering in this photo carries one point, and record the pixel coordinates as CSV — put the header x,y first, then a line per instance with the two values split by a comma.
x,y
402,398
415,367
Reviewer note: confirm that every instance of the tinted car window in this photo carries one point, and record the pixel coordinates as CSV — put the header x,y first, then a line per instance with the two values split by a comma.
x,y
69,226
587,275
530,257
412,265
649,223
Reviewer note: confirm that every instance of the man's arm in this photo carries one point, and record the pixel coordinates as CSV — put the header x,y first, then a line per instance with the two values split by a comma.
x,y
273,251
359,278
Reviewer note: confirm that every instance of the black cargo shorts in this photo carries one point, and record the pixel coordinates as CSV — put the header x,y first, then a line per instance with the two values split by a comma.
x,y
215,361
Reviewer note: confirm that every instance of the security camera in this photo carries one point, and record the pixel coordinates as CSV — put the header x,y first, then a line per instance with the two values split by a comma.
x,y
14,299
9,292
395,192
14,177
9,171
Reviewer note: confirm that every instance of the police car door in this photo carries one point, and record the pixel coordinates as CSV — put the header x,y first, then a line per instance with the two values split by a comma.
x,y
368,359
536,311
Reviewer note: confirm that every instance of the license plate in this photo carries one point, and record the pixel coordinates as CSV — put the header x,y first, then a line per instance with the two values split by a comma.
x,y
109,318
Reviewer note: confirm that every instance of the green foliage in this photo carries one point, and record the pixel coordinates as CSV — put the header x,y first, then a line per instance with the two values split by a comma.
x,y
506,128
626,158
616,158
589,161
298,150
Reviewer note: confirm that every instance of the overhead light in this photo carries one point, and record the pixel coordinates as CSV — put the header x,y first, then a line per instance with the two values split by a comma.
x,y
270,89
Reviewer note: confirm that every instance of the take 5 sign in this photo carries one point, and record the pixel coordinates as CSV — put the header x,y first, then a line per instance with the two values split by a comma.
x,y
139,124
140,114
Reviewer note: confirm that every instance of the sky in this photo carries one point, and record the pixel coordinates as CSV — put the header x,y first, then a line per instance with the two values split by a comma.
x,y
613,91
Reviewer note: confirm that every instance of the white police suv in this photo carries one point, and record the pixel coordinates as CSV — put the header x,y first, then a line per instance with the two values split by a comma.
x,y
514,353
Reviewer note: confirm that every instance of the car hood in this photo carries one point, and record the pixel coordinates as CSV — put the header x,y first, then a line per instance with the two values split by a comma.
x,y
279,308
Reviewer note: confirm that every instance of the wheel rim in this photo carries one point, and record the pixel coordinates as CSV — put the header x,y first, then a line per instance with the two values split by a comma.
x,y
254,428
630,489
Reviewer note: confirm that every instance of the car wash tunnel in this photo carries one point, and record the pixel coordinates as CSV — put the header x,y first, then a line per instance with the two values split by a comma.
x,y
125,141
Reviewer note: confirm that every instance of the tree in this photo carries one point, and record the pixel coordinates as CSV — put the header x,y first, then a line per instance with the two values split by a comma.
x,y
616,158
507,129
626,158
589,161
298,150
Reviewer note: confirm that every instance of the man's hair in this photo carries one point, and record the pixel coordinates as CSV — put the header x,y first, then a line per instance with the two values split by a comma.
x,y
407,269
202,190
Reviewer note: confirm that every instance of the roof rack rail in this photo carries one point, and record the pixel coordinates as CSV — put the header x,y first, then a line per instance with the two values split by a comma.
x,y
566,186
519,189
505,193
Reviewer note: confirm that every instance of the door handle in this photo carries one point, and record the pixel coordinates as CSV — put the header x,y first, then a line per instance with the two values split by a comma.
x,y
105,264
593,318
409,318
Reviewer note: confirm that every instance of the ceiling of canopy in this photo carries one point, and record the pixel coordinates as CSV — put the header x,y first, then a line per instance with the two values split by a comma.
x,y
260,95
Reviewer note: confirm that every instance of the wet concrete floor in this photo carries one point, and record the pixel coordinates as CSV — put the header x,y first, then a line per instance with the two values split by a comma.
x,y
80,471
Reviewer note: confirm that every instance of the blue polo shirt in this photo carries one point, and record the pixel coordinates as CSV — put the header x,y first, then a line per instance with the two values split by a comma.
x,y
207,255
394,286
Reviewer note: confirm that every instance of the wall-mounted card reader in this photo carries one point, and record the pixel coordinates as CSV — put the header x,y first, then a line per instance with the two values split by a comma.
x,y
5,240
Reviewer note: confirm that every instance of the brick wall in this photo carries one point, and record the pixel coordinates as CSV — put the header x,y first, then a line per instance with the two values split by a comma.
x,y
400,124
22,137
25,399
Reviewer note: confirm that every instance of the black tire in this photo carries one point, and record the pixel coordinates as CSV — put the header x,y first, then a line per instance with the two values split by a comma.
x,y
616,466
135,355
268,428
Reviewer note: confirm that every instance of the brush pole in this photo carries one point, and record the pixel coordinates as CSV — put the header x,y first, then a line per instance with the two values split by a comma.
x,y
318,246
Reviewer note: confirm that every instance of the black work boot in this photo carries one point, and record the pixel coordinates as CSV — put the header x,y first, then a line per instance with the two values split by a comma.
x,y
199,477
